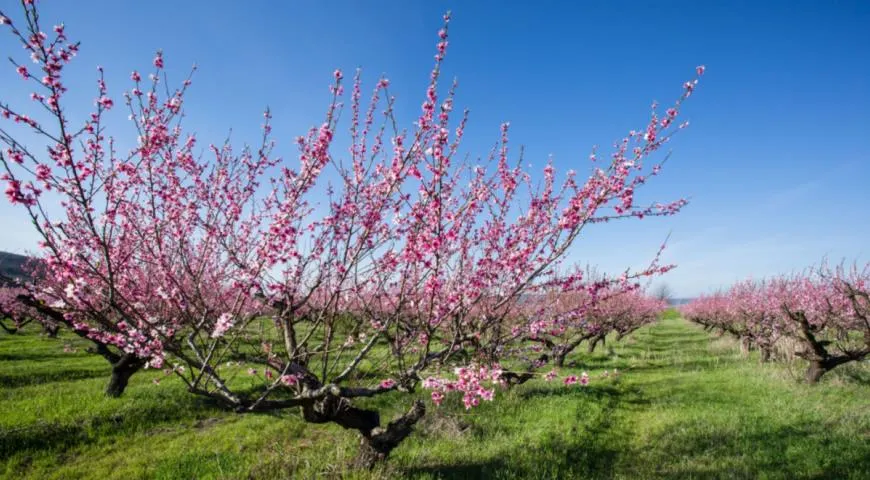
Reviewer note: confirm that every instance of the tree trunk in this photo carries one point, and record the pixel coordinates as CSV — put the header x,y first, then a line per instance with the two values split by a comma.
x,y
51,330
815,372
377,445
765,354
377,442
559,359
594,343
745,345
122,370
819,367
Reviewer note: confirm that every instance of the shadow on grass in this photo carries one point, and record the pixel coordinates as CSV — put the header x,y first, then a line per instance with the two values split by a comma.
x,y
23,380
30,356
555,457
854,374
147,414
588,449
803,450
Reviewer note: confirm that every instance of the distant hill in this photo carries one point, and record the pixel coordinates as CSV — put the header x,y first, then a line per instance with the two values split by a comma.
x,y
12,266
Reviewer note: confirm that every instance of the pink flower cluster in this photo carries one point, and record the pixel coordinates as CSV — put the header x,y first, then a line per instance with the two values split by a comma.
x,y
470,381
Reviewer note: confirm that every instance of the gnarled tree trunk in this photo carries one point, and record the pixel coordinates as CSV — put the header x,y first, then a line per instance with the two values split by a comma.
x,y
376,442
122,370
819,367
594,343
377,445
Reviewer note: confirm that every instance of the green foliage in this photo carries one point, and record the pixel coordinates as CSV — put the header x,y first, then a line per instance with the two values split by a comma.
x,y
684,406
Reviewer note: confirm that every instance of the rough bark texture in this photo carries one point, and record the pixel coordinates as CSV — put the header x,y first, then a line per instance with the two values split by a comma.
x,y
122,370
821,361
377,445
376,442
819,367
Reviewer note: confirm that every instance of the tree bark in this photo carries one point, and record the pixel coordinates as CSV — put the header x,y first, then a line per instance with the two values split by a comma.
x,y
765,354
745,345
377,445
559,360
122,370
819,367
376,442
51,330
815,372
594,343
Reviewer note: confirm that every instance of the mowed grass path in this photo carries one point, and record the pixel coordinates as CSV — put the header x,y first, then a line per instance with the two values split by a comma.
x,y
685,405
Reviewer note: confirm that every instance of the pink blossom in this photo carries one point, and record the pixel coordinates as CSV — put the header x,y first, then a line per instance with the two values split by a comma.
x,y
224,323
106,102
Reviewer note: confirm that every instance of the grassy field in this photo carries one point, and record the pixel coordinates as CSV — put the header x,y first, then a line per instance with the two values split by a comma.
x,y
685,405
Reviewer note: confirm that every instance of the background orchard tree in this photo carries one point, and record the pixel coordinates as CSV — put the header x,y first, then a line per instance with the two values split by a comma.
x,y
414,276
822,310
827,312
587,306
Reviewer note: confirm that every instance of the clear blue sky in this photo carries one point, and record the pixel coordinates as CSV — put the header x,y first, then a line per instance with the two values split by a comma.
x,y
776,161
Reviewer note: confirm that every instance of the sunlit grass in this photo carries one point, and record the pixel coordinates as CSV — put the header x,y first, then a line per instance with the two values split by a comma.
x,y
686,405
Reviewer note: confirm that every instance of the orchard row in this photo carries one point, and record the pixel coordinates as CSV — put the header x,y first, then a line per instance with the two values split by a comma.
x,y
822,316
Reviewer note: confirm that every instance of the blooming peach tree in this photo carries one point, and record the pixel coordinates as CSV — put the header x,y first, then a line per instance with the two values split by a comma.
x,y
133,244
388,267
823,310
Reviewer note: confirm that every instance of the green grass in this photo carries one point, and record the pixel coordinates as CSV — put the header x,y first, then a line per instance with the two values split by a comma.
x,y
686,405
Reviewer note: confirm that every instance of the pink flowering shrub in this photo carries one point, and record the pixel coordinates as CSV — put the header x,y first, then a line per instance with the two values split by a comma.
x,y
410,268
825,311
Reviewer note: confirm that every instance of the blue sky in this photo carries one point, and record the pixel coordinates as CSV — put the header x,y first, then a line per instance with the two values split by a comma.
x,y
775,161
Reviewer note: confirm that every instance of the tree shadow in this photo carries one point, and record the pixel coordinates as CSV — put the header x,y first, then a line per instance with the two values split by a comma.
x,y
59,436
16,381
800,450
586,450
